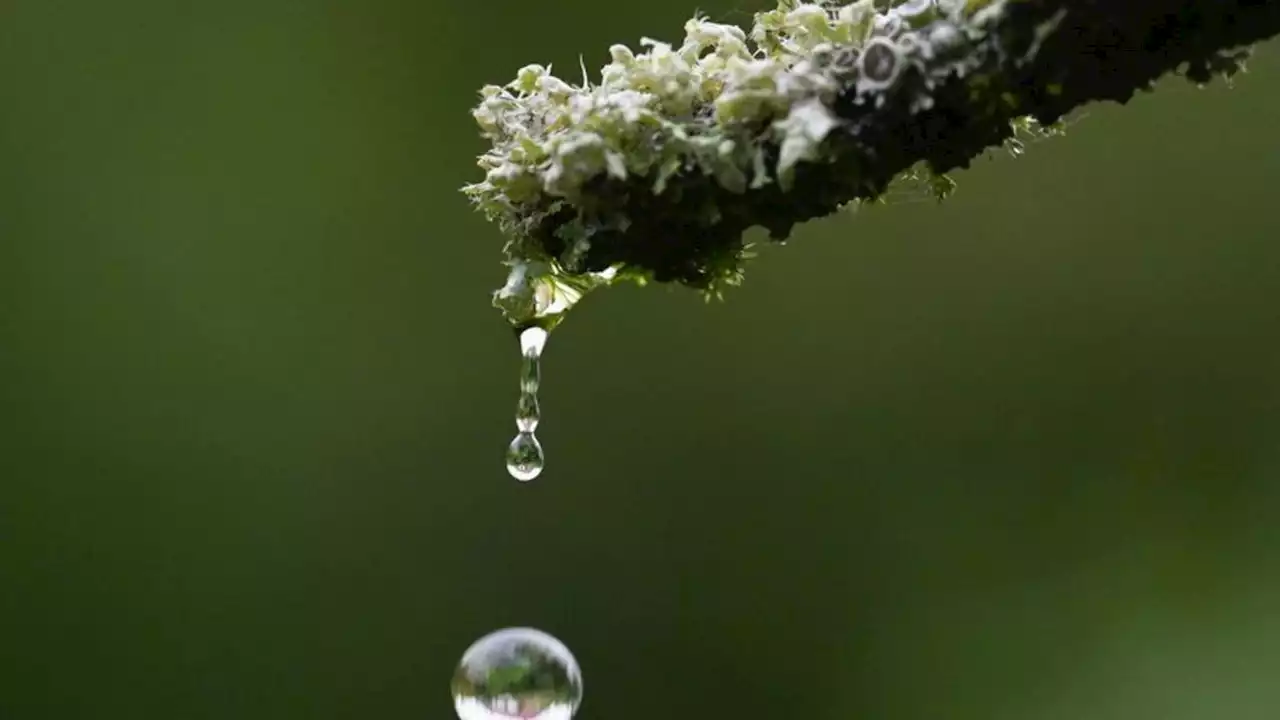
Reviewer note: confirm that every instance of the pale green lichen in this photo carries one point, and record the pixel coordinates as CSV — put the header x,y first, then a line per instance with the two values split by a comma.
x,y
656,169
550,137
712,103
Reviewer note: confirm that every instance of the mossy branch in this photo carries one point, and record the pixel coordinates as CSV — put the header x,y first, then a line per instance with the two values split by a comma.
x,y
655,171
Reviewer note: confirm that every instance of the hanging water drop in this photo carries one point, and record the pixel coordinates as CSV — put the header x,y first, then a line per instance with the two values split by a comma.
x,y
532,341
527,412
530,373
524,456
517,673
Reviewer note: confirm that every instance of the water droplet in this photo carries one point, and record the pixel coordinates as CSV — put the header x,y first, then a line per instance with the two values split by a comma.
x,y
530,373
532,342
527,412
517,673
542,293
524,457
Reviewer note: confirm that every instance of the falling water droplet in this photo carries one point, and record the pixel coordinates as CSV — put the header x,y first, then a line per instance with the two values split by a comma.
x,y
525,458
517,673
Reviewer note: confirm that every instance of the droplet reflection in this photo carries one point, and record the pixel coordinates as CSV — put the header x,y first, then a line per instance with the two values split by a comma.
x,y
517,673
524,457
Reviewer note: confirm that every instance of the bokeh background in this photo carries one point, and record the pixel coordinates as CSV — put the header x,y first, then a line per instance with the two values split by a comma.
x,y
1012,456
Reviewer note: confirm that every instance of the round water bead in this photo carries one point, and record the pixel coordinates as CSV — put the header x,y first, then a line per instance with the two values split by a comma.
x,y
517,673
524,457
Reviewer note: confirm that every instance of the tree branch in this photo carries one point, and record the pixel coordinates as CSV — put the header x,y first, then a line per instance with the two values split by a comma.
x,y
655,172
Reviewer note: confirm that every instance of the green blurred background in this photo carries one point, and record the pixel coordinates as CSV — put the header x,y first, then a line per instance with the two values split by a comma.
x,y
1014,456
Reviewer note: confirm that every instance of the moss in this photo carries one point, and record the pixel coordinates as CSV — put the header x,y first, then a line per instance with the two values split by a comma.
x,y
654,171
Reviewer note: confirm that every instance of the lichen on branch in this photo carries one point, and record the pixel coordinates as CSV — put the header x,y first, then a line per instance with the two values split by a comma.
x,y
654,171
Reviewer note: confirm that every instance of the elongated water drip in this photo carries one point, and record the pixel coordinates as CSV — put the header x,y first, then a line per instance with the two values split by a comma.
x,y
525,458
536,297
